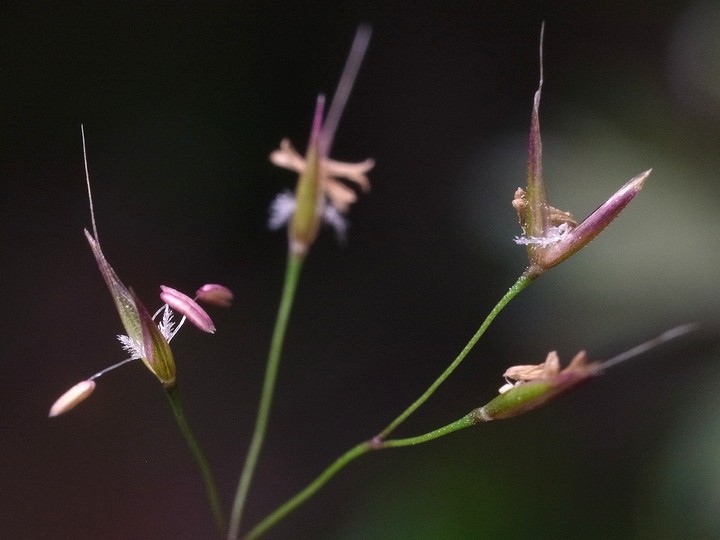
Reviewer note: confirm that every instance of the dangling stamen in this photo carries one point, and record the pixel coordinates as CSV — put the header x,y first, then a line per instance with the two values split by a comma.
x,y
104,371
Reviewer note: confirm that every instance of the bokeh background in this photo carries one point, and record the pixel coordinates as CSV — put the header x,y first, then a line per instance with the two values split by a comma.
x,y
183,101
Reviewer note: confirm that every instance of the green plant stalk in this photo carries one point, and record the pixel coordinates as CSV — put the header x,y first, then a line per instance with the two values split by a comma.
x,y
211,490
292,275
363,448
523,281
282,511
468,420
378,442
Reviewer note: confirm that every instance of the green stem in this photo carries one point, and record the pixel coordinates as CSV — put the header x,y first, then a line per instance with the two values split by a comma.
x,y
292,275
281,512
378,441
523,281
211,490
466,421
363,448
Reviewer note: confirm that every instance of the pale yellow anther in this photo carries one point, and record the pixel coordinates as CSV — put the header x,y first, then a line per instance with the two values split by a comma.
x,y
72,397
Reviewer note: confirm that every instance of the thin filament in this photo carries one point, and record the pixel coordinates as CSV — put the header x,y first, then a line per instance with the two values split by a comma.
x,y
87,181
347,80
651,343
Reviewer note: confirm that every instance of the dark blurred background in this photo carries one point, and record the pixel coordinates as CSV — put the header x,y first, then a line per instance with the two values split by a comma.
x,y
183,101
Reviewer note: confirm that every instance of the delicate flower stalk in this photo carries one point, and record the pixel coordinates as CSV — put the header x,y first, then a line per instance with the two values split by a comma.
x,y
381,439
201,461
320,194
535,386
552,235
